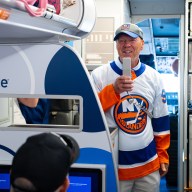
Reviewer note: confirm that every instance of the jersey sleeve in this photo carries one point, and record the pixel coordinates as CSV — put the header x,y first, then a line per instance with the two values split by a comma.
x,y
108,97
161,123
162,137
106,93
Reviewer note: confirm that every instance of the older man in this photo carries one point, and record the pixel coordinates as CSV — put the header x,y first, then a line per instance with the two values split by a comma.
x,y
136,104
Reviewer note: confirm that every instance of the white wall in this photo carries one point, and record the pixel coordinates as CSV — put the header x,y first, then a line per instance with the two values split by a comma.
x,y
126,12
109,8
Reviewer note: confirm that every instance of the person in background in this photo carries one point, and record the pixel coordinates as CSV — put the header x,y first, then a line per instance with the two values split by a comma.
x,y
34,111
137,105
42,163
30,103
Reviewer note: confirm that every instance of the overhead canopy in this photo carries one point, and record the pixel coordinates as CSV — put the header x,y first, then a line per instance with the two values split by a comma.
x,y
157,7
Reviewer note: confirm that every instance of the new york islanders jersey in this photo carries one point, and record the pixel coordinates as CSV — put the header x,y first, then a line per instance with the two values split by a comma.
x,y
143,141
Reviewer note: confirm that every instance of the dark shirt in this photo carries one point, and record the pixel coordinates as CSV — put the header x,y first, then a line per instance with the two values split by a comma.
x,y
37,115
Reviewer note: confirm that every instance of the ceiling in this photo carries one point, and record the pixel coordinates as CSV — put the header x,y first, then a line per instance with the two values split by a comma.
x,y
165,27
157,7
164,35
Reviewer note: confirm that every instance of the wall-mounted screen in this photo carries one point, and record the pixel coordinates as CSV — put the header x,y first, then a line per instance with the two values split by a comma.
x,y
166,46
83,178
164,64
5,178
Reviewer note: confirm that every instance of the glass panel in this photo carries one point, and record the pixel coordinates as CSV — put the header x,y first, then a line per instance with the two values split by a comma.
x,y
54,112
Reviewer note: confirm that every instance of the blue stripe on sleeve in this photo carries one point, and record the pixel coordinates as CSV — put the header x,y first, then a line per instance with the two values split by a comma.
x,y
137,156
161,124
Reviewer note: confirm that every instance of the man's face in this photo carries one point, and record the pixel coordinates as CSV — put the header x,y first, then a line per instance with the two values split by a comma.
x,y
129,47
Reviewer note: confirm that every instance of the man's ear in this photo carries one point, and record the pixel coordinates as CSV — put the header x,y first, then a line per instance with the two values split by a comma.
x,y
142,44
65,185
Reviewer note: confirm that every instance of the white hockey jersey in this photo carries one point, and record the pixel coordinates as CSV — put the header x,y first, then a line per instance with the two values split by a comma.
x,y
143,141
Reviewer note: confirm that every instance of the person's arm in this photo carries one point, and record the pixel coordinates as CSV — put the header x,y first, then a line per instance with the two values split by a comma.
x,y
29,102
162,144
163,169
108,97
110,94
161,128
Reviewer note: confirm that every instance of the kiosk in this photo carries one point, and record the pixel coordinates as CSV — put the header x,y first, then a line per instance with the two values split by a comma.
x,y
35,61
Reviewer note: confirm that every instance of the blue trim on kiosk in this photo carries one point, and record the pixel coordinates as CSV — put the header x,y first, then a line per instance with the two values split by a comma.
x,y
8,150
69,78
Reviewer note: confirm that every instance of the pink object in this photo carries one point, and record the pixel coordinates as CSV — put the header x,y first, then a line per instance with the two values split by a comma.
x,y
41,7
57,4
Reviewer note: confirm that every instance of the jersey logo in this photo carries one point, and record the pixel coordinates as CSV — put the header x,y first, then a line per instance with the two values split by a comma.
x,y
129,117
163,95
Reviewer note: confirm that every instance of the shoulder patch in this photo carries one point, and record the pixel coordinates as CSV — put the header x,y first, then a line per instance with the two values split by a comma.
x,y
163,95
